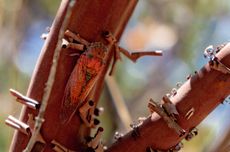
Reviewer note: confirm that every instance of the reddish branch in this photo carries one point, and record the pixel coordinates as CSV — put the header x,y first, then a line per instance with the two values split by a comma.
x,y
89,19
204,91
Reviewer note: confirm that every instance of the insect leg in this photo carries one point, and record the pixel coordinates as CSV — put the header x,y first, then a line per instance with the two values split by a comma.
x,y
87,110
112,41
116,57
76,37
136,55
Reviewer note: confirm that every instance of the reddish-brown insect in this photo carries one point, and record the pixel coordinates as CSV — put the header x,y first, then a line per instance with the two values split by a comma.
x,y
86,72
83,78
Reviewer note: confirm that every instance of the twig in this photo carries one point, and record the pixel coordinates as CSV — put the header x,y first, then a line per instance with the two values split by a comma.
x,y
40,118
119,102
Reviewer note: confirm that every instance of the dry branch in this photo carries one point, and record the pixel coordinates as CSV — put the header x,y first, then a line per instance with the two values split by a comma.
x,y
203,92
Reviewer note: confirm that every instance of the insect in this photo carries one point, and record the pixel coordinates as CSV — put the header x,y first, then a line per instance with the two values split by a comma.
x,y
82,79
92,57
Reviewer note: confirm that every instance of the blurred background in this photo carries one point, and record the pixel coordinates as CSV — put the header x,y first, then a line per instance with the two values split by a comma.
x,y
183,29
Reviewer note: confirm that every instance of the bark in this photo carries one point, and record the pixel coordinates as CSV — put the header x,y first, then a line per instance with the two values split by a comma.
x,y
89,19
204,91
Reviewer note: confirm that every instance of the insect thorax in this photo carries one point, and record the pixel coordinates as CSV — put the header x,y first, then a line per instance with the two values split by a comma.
x,y
97,49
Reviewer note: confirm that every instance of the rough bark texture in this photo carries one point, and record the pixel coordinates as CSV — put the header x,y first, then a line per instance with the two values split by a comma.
x,y
204,92
89,19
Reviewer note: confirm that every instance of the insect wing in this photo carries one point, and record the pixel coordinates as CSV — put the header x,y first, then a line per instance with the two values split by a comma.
x,y
74,87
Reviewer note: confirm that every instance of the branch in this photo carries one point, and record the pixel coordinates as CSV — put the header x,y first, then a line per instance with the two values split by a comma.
x,y
51,78
102,14
203,92
118,102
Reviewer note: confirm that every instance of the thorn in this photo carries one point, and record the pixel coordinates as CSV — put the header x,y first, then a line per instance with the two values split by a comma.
x,y
75,46
194,131
209,52
58,147
178,147
189,76
25,100
189,136
173,92
17,124
96,141
135,126
44,36
48,29
118,136
141,120
135,132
